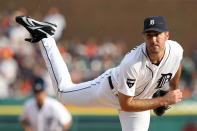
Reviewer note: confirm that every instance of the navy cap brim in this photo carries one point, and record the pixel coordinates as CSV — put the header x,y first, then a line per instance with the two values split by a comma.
x,y
154,29
38,91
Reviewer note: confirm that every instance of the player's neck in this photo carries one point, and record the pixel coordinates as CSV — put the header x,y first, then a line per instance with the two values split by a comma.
x,y
40,103
156,58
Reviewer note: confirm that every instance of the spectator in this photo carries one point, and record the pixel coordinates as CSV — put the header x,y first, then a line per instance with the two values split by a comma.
x,y
54,16
8,70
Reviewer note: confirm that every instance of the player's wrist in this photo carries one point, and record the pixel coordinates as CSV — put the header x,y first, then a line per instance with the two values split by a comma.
x,y
163,101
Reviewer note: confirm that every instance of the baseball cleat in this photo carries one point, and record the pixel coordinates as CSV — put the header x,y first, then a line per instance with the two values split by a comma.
x,y
37,29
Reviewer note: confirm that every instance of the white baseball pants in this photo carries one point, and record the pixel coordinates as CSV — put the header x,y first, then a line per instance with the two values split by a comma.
x,y
94,93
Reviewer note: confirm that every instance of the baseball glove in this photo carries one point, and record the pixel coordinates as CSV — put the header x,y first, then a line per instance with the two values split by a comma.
x,y
160,110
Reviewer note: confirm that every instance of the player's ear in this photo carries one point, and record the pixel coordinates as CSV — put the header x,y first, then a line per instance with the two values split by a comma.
x,y
167,35
143,36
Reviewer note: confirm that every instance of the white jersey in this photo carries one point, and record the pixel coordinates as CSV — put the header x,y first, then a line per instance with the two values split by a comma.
x,y
137,76
50,117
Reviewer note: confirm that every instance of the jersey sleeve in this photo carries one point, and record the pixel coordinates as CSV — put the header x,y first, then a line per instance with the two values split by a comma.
x,y
24,114
64,115
177,49
181,53
127,77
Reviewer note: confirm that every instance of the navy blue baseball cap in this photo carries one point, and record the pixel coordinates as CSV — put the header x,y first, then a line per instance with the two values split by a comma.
x,y
38,85
155,23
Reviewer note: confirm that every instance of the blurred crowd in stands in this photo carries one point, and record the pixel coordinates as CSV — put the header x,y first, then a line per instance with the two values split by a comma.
x,y
21,62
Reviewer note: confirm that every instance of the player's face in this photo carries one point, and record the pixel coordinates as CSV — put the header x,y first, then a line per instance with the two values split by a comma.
x,y
155,41
40,96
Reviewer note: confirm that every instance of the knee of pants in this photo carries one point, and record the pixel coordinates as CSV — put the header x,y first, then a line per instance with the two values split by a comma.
x,y
63,85
59,89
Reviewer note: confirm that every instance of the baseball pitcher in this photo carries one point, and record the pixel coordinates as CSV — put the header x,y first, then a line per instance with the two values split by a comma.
x,y
150,67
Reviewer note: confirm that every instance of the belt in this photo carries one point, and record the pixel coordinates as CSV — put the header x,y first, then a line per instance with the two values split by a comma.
x,y
110,83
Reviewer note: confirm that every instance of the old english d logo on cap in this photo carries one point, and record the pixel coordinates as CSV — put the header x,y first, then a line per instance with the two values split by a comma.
x,y
152,22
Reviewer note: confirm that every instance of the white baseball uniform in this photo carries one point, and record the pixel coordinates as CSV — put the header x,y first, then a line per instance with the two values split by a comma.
x,y
135,76
50,117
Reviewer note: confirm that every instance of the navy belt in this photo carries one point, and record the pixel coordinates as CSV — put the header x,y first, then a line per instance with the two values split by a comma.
x,y
110,83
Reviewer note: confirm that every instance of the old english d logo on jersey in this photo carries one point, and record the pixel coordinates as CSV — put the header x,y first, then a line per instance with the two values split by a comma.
x,y
164,78
130,82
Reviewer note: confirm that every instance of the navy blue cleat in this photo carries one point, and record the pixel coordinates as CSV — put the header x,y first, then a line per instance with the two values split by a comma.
x,y
37,29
